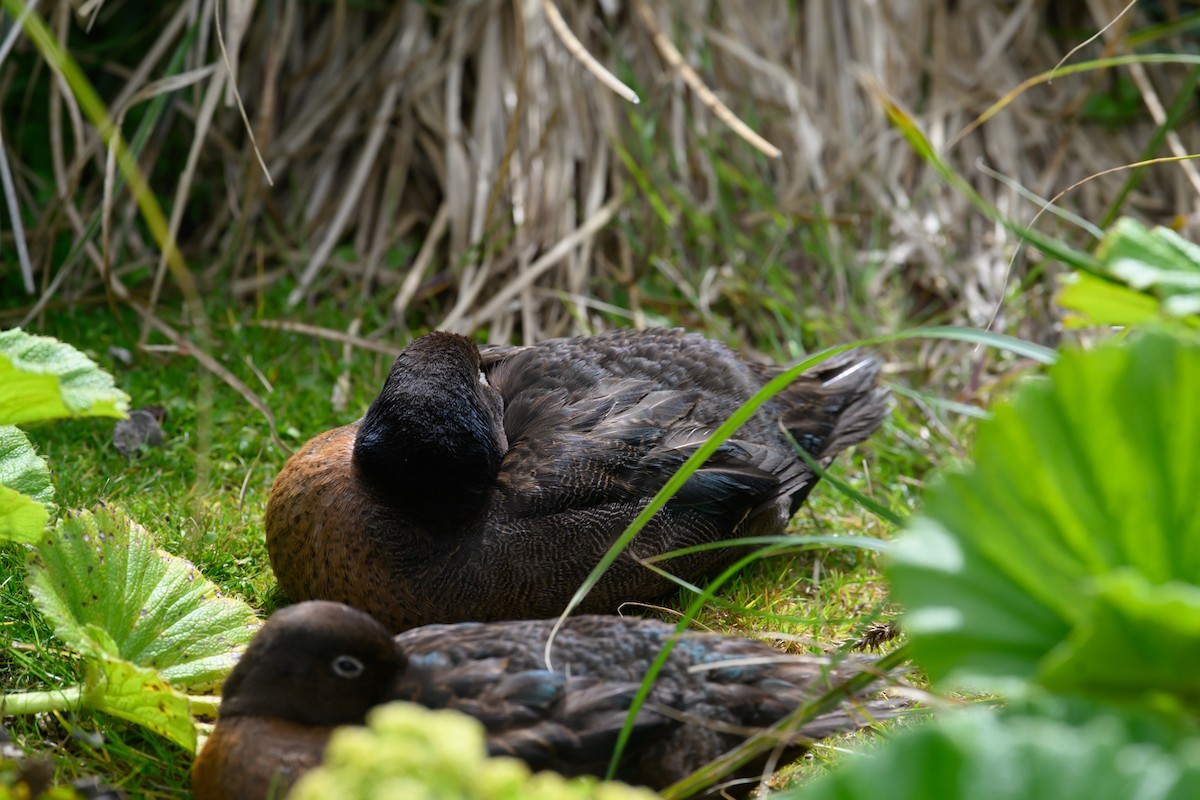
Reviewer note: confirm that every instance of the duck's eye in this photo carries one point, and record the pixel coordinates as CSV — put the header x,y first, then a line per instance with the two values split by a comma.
x,y
347,667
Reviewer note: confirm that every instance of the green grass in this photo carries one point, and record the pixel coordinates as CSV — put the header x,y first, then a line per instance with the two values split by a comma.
x,y
208,507
205,507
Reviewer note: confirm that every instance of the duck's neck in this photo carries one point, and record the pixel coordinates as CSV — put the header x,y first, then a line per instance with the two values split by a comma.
x,y
431,457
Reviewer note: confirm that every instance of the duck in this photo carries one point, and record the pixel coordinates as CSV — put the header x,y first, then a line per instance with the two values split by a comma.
x,y
318,665
484,483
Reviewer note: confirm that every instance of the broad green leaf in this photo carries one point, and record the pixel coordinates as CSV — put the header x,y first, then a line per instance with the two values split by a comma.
x,y
102,571
26,494
43,378
21,468
412,752
22,519
981,755
1102,302
1139,642
1095,469
140,695
1153,274
1149,258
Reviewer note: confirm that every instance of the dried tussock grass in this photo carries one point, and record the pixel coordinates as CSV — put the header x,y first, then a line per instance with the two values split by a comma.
x,y
470,128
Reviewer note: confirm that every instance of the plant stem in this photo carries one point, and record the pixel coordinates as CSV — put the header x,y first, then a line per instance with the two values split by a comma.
x,y
68,699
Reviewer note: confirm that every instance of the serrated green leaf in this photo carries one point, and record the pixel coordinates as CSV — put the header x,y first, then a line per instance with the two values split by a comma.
x,y
1138,642
982,755
1094,470
102,569
26,494
140,695
43,378
21,468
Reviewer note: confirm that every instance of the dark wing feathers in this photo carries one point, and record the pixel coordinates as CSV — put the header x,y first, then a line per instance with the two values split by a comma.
x,y
610,422
624,444
578,736
549,719
639,415
712,691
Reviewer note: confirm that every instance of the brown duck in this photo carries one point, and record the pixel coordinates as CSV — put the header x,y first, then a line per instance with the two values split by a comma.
x,y
485,483
317,665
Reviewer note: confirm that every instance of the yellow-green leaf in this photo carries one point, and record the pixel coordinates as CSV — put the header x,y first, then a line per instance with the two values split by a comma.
x,y
43,378
101,571
26,494
1101,302
140,695
22,519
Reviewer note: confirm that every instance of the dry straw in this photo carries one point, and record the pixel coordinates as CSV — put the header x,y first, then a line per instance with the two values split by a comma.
x,y
461,164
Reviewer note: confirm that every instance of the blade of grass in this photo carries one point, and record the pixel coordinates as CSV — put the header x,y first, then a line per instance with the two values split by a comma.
x,y
878,509
1071,69
792,541
14,216
137,145
916,138
656,666
966,409
1183,103
93,106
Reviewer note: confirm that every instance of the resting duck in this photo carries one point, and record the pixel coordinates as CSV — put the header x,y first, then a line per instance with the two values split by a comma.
x,y
485,483
317,665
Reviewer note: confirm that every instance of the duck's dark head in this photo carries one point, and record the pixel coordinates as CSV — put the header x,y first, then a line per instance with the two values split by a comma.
x,y
432,441
315,663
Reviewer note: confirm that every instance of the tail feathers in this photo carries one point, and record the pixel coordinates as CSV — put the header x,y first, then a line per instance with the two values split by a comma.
x,y
853,715
835,405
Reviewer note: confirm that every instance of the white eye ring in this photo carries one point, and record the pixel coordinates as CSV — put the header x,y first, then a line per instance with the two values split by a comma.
x,y
347,666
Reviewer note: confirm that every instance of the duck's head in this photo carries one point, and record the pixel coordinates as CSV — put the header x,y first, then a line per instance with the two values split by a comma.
x,y
314,663
432,441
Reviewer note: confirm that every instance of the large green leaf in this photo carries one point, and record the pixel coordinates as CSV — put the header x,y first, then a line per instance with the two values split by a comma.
x,y
26,494
981,755
138,694
1139,641
43,378
102,571
1095,469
